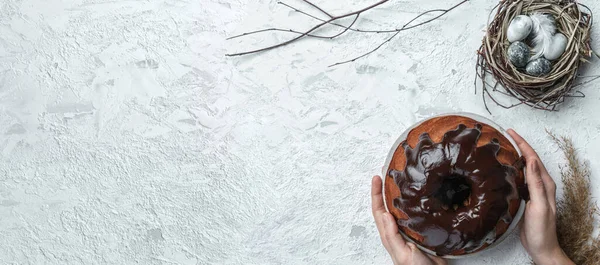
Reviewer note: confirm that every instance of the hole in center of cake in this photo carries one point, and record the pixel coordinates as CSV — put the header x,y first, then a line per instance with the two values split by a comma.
x,y
454,192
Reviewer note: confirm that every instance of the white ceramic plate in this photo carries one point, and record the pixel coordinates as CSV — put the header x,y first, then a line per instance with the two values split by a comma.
x,y
478,118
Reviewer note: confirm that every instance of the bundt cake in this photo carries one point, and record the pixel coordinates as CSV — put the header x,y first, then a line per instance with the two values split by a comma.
x,y
453,185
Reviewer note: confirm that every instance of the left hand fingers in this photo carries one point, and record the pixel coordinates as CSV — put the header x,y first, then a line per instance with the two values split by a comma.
x,y
394,240
377,206
377,198
387,227
526,149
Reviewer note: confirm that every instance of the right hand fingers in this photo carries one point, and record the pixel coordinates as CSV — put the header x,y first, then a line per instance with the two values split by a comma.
x,y
535,183
532,157
525,148
539,179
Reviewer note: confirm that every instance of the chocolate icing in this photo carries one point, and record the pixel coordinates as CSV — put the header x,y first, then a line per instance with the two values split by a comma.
x,y
453,192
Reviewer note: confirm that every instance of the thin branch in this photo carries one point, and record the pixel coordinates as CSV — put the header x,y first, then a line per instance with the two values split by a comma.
x,y
444,12
581,95
346,29
297,32
309,15
318,8
310,30
405,27
588,81
366,54
364,30
277,29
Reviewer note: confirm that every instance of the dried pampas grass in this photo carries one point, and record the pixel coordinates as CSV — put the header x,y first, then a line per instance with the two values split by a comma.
x,y
576,212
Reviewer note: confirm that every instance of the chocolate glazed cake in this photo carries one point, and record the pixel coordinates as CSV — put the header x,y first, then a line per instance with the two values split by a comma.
x,y
452,186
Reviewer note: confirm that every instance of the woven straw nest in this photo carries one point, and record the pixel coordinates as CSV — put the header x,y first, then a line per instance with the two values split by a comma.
x,y
539,92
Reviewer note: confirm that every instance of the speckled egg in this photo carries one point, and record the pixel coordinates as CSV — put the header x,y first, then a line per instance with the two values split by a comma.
x,y
518,54
538,67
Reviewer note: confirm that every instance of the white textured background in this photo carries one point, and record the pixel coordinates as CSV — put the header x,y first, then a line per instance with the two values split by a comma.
x,y
126,135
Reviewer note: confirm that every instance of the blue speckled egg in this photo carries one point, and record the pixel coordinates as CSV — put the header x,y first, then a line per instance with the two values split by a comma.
x,y
518,54
539,67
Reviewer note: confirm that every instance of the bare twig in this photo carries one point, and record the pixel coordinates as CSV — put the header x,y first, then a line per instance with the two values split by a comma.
x,y
332,21
355,13
318,8
369,52
276,29
378,31
588,81
309,15
405,27
346,29
297,32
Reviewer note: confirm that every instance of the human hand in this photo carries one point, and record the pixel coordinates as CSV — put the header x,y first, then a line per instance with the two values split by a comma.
x,y
538,231
402,253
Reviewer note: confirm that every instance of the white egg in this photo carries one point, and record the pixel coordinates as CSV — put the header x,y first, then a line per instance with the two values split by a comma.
x,y
557,47
519,28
